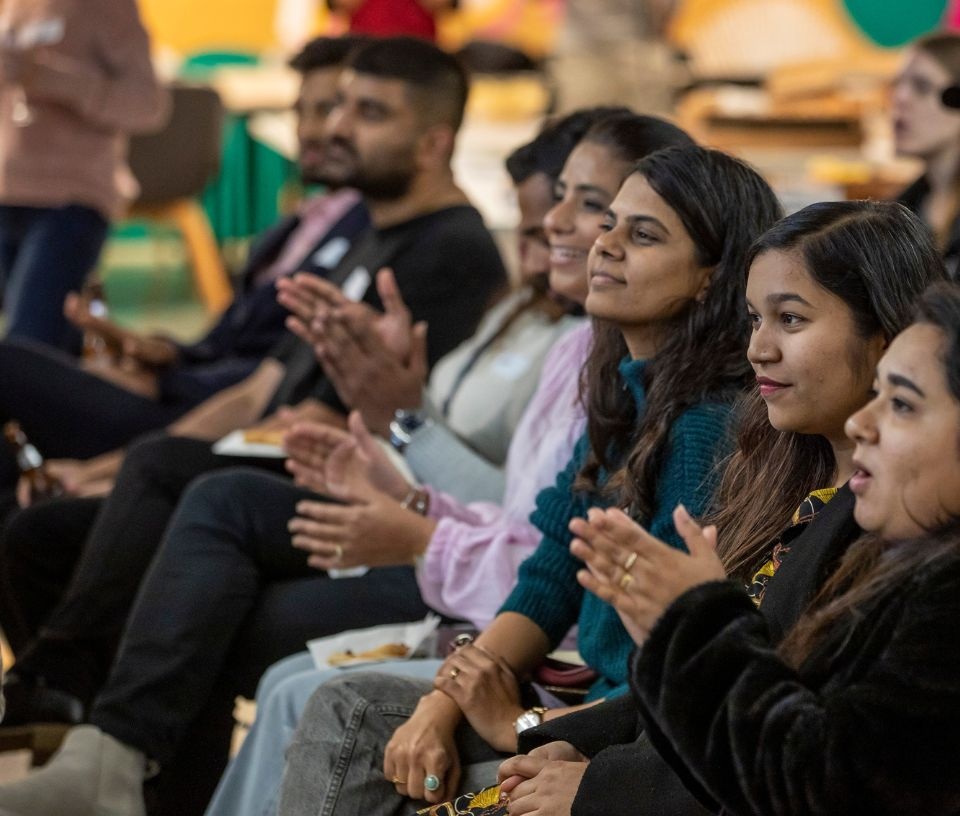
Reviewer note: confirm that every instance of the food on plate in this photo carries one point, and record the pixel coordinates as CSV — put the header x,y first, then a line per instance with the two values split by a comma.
x,y
263,436
385,652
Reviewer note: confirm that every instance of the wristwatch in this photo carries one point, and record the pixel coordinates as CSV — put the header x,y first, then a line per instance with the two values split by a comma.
x,y
530,718
404,425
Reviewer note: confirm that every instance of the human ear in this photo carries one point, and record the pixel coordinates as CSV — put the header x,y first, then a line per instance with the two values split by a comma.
x,y
707,274
436,144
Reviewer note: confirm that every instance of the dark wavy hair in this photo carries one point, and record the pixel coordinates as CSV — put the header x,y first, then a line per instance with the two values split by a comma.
x,y
877,257
872,568
723,205
549,149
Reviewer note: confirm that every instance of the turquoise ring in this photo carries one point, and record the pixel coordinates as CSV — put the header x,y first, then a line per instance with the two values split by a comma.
x,y
430,782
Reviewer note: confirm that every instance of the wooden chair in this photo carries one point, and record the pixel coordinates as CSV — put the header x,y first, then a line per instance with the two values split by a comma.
x,y
173,166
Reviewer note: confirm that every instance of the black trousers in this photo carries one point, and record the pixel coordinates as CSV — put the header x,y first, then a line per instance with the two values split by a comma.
x,y
39,551
67,412
226,596
78,641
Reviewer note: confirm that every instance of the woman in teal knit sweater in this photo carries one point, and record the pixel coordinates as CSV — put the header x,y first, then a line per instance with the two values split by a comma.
x,y
666,284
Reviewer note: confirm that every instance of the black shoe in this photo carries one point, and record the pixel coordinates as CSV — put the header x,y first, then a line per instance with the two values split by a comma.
x,y
31,700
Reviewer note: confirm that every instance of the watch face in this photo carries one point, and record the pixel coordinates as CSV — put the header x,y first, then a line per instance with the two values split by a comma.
x,y
529,719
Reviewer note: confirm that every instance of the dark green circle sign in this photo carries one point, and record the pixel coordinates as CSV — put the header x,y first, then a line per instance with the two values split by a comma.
x,y
895,22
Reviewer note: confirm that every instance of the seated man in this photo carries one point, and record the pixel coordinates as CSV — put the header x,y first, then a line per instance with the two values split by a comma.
x,y
77,411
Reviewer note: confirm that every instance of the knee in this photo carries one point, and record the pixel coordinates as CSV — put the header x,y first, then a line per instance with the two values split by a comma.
x,y
352,688
230,497
284,704
281,671
149,452
230,488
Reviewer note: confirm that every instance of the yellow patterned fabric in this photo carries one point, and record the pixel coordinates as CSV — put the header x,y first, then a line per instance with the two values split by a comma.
x,y
485,803
802,516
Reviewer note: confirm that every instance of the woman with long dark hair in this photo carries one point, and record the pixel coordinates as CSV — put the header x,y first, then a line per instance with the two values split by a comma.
x,y
666,272
858,709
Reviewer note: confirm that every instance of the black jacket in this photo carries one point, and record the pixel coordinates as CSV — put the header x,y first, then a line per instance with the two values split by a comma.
x,y
254,322
869,724
627,774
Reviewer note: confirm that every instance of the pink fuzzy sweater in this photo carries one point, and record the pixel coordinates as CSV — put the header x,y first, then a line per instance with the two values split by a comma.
x,y
84,68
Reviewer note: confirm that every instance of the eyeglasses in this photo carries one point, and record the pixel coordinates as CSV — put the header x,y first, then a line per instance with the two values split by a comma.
x,y
920,86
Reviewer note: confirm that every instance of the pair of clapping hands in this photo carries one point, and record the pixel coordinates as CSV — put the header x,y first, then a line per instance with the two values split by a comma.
x,y
368,524
640,576
377,361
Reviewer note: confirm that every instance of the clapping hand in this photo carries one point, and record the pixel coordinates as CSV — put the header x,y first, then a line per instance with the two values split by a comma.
x,y
637,573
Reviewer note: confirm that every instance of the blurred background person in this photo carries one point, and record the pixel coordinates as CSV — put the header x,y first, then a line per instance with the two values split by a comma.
x,y
926,126
75,79
392,18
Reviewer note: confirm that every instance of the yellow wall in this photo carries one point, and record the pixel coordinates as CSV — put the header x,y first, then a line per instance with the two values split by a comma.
x,y
189,25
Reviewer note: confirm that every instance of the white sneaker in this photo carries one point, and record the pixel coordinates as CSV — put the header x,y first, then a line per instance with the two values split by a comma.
x,y
92,774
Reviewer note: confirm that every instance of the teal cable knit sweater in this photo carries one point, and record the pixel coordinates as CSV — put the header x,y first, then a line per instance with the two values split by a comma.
x,y
547,591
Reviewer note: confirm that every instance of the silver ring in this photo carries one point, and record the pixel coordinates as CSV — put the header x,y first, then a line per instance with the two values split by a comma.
x,y
431,782
631,560
337,552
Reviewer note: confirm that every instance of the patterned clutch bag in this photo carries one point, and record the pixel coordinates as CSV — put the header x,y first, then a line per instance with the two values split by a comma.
x,y
485,803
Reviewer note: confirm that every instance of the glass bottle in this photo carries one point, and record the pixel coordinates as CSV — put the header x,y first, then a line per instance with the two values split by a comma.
x,y
31,464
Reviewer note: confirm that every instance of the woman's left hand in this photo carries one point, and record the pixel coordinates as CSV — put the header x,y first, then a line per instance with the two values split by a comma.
x,y
637,573
487,691
373,531
548,786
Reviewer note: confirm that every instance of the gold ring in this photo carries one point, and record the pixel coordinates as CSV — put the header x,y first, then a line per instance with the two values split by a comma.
x,y
626,580
631,560
338,552
398,781
454,672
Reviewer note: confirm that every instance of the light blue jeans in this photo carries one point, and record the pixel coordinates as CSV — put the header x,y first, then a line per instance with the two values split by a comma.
x,y
251,784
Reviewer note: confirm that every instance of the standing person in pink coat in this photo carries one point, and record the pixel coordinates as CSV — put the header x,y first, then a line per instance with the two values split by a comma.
x,y
75,80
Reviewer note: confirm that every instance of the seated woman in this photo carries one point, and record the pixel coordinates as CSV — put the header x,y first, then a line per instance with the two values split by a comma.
x,y
835,281
926,126
858,709
666,276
